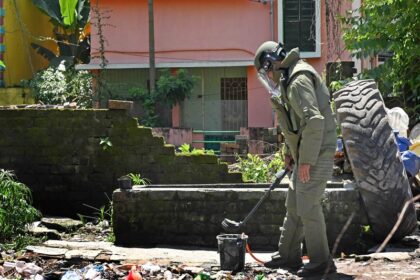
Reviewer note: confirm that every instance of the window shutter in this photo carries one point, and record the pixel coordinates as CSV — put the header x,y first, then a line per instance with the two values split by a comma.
x,y
299,24
291,23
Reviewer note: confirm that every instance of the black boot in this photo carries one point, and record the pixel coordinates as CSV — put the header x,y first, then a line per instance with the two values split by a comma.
x,y
275,255
278,262
320,270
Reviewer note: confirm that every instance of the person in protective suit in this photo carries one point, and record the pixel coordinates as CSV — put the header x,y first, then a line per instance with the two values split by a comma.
x,y
302,102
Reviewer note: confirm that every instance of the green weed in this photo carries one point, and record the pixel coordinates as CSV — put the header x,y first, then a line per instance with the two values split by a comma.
x,y
257,169
105,143
16,209
185,149
104,213
138,179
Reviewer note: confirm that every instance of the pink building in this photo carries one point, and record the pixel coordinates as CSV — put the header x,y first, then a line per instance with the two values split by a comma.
x,y
214,40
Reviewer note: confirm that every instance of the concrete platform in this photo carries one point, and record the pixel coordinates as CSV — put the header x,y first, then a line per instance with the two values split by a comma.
x,y
106,251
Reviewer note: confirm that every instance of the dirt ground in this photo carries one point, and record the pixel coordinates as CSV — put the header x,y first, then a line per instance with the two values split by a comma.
x,y
397,262
380,269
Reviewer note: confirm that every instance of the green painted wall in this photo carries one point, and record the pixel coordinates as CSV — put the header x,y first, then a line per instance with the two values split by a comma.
x,y
121,80
203,110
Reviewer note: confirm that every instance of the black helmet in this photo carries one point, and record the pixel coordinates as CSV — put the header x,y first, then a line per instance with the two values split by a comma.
x,y
268,53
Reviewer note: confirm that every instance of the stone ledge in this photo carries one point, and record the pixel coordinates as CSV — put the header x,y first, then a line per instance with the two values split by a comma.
x,y
120,105
187,211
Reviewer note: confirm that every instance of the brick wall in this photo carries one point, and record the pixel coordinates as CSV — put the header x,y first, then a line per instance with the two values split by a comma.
x,y
58,155
186,215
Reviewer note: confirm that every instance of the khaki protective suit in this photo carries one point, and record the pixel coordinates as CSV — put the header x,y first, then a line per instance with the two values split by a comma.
x,y
306,120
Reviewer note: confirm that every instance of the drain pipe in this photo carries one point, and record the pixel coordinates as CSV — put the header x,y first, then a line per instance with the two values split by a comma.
x,y
272,19
2,46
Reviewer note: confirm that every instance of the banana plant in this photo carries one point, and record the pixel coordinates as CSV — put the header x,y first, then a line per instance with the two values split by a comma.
x,y
69,18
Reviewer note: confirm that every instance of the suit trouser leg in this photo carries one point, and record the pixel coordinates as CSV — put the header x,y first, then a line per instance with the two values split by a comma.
x,y
309,209
291,232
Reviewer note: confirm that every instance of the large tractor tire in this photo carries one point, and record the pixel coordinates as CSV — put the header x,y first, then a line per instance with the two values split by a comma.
x,y
374,157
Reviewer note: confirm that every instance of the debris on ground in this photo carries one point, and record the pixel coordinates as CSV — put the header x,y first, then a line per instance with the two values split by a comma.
x,y
61,224
86,254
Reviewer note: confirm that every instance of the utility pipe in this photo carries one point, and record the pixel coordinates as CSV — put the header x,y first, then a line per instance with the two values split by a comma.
x,y
272,19
152,70
2,47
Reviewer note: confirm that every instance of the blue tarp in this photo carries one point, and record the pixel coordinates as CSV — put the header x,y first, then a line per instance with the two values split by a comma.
x,y
410,160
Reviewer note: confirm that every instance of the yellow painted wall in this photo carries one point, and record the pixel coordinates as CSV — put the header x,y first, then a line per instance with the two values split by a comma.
x,y
20,58
16,96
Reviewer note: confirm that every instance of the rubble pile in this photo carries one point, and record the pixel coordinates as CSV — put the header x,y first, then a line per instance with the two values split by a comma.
x,y
34,267
94,260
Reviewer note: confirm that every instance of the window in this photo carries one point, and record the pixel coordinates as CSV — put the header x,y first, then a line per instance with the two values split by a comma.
x,y
299,26
233,89
384,56
234,103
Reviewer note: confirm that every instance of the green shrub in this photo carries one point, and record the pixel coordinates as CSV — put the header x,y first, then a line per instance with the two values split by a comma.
x,y
175,88
257,169
185,149
57,86
171,89
138,179
16,210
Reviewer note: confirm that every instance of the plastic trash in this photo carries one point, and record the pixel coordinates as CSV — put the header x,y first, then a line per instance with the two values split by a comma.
x,y
403,142
411,162
202,276
339,147
167,275
27,269
398,119
151,268
92,273
133,274
72,275
8,266
416,148
415,132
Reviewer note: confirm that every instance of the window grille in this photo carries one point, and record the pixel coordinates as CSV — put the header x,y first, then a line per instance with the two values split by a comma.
x,y
234,102
299,24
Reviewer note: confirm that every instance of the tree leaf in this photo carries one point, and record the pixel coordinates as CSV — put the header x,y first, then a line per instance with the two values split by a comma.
x,y
83,12
46,53
68,12
51,8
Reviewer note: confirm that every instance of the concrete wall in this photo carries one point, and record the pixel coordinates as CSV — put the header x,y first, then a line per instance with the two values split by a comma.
x,y
192,215
260,113
185,30
202,111
57,153
191,34
174,136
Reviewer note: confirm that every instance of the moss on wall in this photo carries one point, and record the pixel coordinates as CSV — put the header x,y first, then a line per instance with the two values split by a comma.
x,y
57,153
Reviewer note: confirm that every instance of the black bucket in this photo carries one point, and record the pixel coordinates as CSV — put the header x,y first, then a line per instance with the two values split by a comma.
x,y
125,183
232,249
